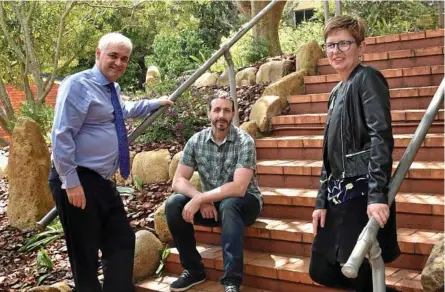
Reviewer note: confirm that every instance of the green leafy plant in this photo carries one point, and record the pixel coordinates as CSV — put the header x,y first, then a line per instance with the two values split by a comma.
x,y
43,260
42,239
42,114
292,38
137,182
164,255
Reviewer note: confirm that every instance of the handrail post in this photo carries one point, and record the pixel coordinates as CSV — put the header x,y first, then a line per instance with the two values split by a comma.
x,y
232,83
369,233
378,267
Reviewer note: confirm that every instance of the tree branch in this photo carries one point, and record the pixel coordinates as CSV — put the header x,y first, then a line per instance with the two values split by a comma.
x,y
14,46
10,116
135,5
31,10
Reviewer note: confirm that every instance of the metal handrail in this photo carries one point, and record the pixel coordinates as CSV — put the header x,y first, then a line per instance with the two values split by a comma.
x,y
223,51
367,243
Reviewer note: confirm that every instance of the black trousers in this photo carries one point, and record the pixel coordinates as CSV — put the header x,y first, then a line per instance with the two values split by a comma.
x,y
102,225
328,274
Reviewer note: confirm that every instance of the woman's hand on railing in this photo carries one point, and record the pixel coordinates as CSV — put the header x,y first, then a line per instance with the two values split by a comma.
x,y
380,212
163,100
318,215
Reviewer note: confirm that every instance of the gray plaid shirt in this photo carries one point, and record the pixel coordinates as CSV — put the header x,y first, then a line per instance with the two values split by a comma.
x,y
216,164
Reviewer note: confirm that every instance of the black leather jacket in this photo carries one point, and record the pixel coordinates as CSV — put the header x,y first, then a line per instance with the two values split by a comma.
x,y
358,135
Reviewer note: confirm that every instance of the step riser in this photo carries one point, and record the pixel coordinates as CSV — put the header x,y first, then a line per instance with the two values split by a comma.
x,y
433,186
395,82
396,104
393,63
424,154
405,45
318,129
258,282
405,260
404,220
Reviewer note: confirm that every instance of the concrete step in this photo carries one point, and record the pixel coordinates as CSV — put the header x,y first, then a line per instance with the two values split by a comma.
x,y
401,99
396,78
394,59
161,284
423,177
283,272
412,40
311,147
403,122
272,235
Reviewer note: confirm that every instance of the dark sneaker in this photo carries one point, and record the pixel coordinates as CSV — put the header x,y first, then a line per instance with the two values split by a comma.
x,y
187,280
231,288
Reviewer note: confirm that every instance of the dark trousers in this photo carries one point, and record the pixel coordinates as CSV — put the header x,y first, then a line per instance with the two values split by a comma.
x,y
329,274
103,225
233,215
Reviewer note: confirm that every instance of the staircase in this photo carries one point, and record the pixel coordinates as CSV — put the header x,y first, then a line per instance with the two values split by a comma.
x,y
277,246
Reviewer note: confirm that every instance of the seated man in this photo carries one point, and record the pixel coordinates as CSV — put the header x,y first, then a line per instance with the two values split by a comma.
x,y
225,157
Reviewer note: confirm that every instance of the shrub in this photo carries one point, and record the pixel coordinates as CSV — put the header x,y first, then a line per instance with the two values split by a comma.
x,y
292,38
42,114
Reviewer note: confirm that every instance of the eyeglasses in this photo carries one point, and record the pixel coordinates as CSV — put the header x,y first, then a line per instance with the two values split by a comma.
x,y
342,46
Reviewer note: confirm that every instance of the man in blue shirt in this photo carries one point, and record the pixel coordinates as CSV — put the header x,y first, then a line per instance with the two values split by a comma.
x,y
90,143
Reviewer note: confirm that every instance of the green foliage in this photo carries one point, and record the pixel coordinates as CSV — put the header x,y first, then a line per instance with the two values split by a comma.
x,y
179,121
43,260
164,255
42,239
42,114
391,17
246,51
137,182
292,38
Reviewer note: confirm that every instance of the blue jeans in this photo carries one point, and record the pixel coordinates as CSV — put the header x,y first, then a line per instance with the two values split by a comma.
x,y
233,215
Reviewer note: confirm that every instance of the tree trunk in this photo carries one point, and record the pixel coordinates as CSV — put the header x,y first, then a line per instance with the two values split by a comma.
x,y
267,27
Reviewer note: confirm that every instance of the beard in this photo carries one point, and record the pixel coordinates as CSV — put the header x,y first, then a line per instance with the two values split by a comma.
x,y
221,124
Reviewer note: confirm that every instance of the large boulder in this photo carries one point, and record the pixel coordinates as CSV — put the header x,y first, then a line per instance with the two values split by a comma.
x,y
161,226
147,254
263,110
288,85
433,274
152,166
129,181
174,164
206,79
195,180
273,71
250,127
246,76
57,287
29,164
223,79
307,57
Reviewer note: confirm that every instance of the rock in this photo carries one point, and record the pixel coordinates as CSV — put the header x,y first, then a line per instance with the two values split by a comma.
x,y
161,227
62,286
273,71
433,274
308,56
3,166
196,181
44,288
152,166
152,75
246,76
250,127
288,85
263,110
147,254
129,181
174,164
223,79
206,79
29,194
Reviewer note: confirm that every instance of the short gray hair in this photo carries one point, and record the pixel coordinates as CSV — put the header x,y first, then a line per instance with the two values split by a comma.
x,y
114,38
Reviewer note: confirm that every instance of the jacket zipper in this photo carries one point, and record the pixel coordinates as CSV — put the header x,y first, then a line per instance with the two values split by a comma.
x,y
341,133
357,153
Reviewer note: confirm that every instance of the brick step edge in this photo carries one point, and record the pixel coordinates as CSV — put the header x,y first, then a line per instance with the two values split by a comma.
x,y
290,268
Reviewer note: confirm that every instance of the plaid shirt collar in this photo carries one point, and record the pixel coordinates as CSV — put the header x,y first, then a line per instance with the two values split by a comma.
x,y
230,136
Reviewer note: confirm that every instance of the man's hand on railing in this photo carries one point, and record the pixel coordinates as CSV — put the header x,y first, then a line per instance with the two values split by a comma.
x,y
380,212
163,100
318,215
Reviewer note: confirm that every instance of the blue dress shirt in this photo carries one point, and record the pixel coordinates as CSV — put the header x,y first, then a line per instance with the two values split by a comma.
x,y
83,132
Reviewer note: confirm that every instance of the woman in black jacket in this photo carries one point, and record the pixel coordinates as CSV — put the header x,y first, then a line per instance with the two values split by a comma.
x,y
357,161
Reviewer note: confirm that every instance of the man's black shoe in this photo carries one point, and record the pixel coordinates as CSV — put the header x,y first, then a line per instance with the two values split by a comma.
x,y
231,288
187,280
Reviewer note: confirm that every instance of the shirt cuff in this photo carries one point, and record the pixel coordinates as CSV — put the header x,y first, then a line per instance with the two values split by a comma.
x,y
154,104
70,181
